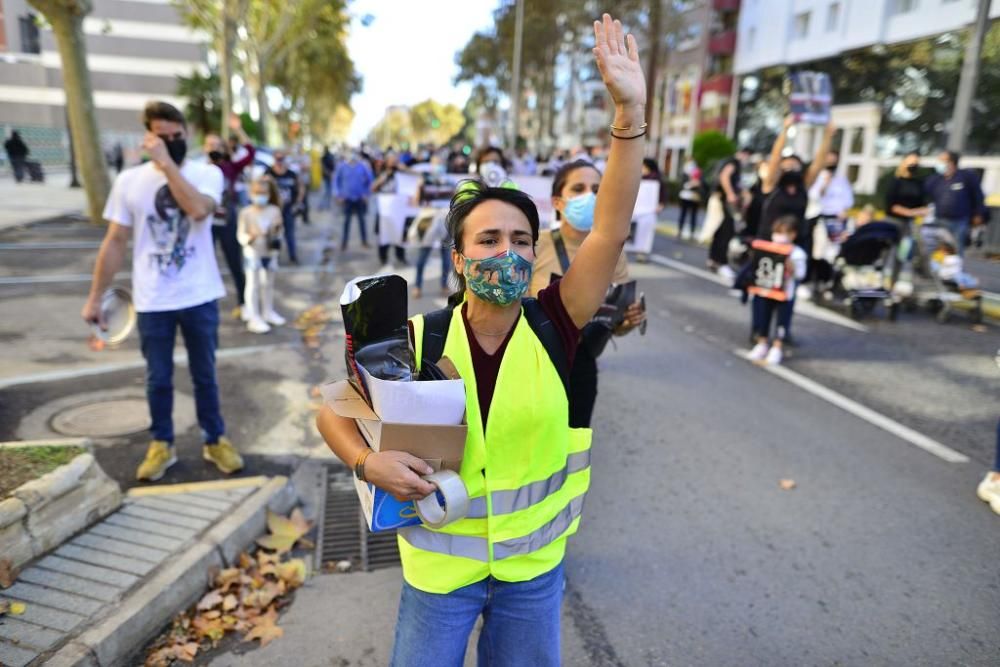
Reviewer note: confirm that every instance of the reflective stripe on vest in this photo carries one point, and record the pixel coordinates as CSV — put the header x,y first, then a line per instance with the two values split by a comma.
x,y
477,508
465,546
506,502
545,535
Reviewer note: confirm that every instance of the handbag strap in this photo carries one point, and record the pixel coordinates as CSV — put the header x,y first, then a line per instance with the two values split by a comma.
x,y
560,245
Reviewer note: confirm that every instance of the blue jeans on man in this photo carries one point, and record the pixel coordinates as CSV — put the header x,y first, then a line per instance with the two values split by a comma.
x,y
960,230
359,208
520,623
199,326
288,223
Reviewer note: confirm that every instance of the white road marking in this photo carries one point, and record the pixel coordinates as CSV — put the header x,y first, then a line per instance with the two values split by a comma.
x,y
867,414
801,307
180,358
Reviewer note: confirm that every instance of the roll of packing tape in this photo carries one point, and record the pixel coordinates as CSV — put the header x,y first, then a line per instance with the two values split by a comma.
x,y
456,500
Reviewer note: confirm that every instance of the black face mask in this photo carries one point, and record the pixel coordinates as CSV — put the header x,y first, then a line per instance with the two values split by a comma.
x,y
832,167
911,169
790,179
216,156
177,148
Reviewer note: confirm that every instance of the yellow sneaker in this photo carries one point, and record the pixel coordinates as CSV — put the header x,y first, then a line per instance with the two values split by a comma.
x,y
223,455
159,457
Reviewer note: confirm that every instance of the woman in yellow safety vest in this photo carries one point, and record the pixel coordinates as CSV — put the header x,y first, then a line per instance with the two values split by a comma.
x,y
525,469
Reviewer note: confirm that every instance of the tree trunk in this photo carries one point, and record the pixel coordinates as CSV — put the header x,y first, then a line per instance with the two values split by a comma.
x,y
262,110
654,39
67,26
226,63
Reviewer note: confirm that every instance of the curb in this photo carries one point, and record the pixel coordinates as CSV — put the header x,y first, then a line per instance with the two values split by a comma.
x,y
175,586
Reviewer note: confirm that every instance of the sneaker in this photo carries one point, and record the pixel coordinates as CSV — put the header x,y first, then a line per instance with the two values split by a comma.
x,y
159,457
223,455
759,352
258,326
725,271
774,356
989,490
274,318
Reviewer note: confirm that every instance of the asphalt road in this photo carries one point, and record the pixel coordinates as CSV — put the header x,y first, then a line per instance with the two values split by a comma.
x,y
690,553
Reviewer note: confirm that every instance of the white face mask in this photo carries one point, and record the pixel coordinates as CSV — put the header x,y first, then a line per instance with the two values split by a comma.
x,y
261,200
941,167
780,238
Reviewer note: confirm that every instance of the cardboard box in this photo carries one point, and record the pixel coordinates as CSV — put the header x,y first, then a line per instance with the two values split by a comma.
x,y
442,446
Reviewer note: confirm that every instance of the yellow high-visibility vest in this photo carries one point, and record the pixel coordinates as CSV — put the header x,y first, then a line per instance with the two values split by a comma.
x,y
527,477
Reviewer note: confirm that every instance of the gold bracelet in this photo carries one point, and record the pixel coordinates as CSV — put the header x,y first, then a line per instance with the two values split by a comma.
x,y
628,129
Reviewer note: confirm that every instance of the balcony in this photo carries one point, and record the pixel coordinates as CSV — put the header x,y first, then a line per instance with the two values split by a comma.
x,y
721,84
726,5
722,43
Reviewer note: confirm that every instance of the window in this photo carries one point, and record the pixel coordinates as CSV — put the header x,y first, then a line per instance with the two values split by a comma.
x,y
30,42
751,38
800,29
832,16
906,6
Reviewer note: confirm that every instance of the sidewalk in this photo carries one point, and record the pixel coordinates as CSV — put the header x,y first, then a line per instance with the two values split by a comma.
x,y
100,596
28,202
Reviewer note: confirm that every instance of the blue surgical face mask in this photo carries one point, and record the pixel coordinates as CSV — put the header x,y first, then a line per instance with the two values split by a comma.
x,y
579,211
941,166
261,200
502,279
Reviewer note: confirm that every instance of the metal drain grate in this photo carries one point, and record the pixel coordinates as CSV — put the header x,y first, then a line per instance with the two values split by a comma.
x,y
345,535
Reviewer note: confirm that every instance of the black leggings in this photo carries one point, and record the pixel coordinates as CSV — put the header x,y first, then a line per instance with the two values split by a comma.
x,y
225,235
687,207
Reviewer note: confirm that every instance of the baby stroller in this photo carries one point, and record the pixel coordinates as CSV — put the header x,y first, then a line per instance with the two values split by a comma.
x,y
863,272
934,286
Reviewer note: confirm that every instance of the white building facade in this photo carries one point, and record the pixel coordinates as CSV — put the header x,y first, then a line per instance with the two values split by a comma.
x,y
136,49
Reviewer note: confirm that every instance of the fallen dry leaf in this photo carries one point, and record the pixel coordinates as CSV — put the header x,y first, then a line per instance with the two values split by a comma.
x,y
979,328
284,532
246,562
230,602
208,628
293,572
787,484
266,633
17,608
211,599
186,652
8,573
4,607
228,578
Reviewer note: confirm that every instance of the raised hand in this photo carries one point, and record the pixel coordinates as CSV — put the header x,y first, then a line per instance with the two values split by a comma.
x,y
617,58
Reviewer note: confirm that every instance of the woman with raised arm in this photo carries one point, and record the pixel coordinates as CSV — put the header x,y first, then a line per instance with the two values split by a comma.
x,y
525,469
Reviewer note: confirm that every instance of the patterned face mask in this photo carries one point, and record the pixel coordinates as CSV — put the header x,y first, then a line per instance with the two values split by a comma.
x,y
502,279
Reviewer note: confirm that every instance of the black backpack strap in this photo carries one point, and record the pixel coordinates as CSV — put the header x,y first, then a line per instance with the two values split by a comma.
x,y
560,245
546,332
435,334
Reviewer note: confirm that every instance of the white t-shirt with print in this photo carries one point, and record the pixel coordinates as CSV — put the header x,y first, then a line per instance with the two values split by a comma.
x,y
173,257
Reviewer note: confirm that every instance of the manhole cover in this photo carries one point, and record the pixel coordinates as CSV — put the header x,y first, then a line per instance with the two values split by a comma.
x,y
104,419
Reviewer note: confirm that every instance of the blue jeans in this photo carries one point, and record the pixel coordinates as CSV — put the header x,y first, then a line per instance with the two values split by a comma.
x,y
960,230
358,207
200,328
520,623
288,222
422,258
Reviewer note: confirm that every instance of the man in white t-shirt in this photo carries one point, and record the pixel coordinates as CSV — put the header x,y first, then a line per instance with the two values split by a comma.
x,y
166,205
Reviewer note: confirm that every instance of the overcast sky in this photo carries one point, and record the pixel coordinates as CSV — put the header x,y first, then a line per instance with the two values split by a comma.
x,y
407,53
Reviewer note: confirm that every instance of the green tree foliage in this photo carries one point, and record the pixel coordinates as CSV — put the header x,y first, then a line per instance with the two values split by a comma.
x,y
203,101
296,46
710,147
913,83
428,122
